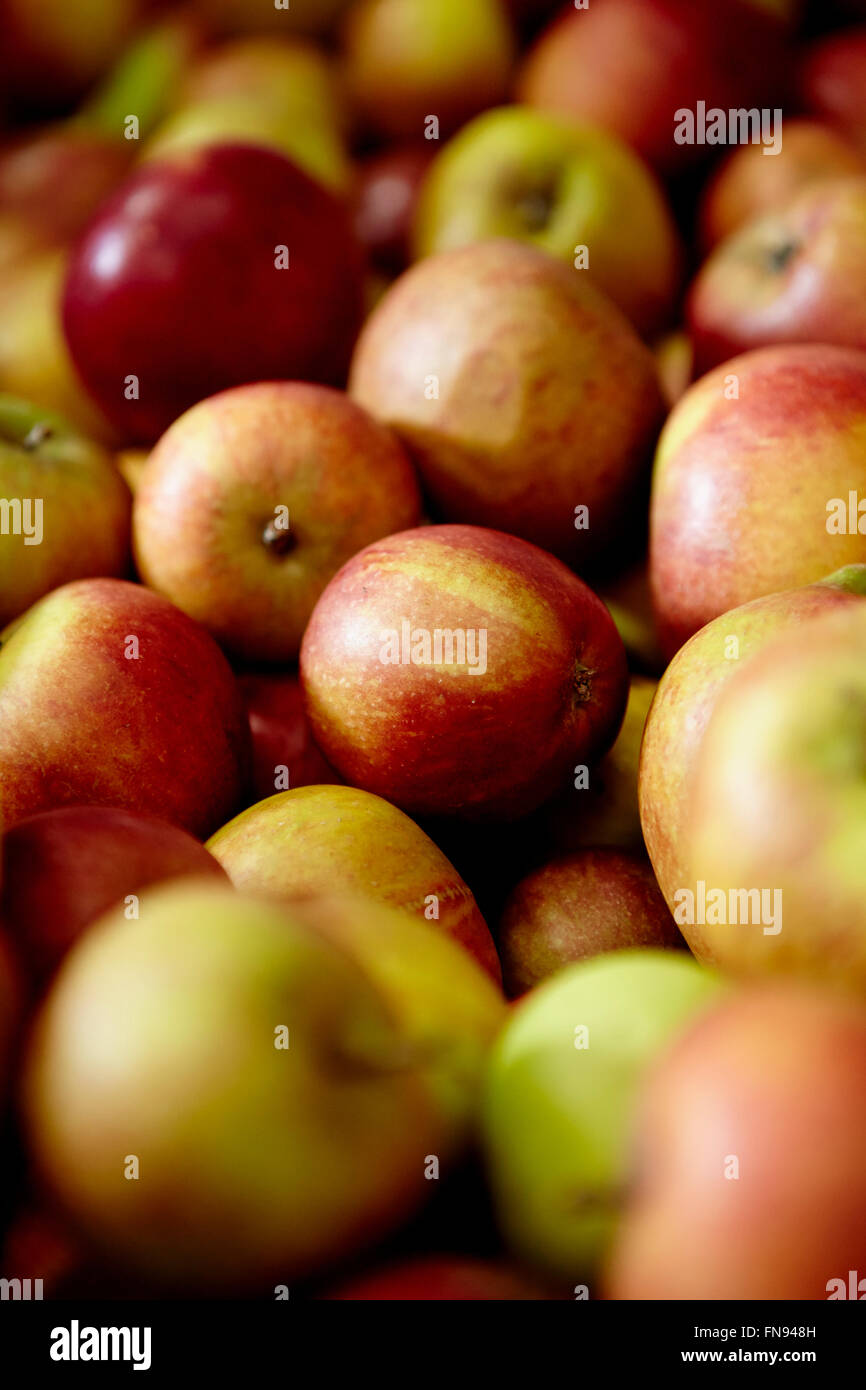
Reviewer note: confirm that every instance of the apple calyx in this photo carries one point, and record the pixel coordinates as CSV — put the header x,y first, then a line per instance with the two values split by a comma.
x,y
277,539
850,578
582,693
780,256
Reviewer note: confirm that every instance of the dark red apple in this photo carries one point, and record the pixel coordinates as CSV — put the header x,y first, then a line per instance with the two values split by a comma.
x,y
62,869
281,735
212,268
386,193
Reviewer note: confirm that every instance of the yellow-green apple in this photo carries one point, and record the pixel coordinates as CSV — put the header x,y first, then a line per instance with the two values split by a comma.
x,y
130,465
263,17
219,1095
147,80
685,700
830,80
757,470
11,1008
675,364
284,752
592,62
65,510
789,276
776,833
251,502
746,184
110,696
332,838
408,62
212,268
560,1094
53,50
498,366
295,78
600,808
433,1278
387,185
455,670
580,905
750,1150
565,187
62,869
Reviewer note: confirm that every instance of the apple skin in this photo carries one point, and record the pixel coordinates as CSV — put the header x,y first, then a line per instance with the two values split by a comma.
x,y
85,507
675,363
303,1154
539,376
747,183
582,905
558,184
338,839
556,1116
406,60
442,741
442,1278
831,80
752,1078
740,486
62,869
590,63
684,703
290,76
791,276
387,187
280,733
192,270
203,518
163,733
776,805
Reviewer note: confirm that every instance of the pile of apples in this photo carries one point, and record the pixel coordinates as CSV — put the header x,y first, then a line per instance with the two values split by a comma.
x,y
433,676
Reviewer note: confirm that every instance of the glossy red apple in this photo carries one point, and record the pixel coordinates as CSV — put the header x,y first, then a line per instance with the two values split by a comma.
x,y
215,267
62,869
281,735
452,669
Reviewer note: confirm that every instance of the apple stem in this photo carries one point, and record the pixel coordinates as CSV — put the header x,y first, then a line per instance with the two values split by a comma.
x,y
37,435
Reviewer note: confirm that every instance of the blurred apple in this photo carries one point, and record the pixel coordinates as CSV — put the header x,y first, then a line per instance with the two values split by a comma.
x,y
73,507
581,905
746,184
62,869
293,78
282,740
435,1278
179,287
675,363
788,277
252,501
111,696
561,1091
497,365
52,50
751,1156
559,185
748,466
130,465
146,81
339,839
831,80
386,194
528,677
246,17
407,61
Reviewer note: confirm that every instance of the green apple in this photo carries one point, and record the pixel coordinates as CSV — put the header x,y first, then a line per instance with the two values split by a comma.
x,y
146,80
65,510
560,1096
219,1095
566,187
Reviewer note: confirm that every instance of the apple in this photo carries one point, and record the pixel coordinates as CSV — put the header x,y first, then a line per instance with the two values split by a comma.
x,y
130,465
581,905
675,363
67,507
147,80
603,811
53,50
442,1278
685,700
179,286
831,77
751,1156
455,670
560,185
747,184
338,839
62,869
284,750
252,501
111,696
288,75
11,1009
386,192
561,1090
298,16
752,469
39,1242
497,365
255,1073
776,811
630,65
408,62
787,277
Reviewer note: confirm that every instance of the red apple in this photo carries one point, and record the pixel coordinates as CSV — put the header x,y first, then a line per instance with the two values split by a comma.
x,y
111,696
62,869
832,78
253,500
749,469
281,735
386,194
456,670
216,267
500,366
437,1278
582,905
